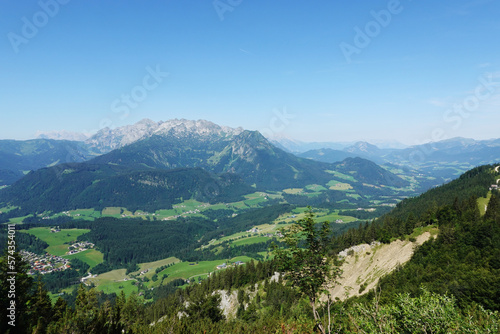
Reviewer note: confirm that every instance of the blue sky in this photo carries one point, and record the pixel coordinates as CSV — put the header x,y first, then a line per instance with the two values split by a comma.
x,y
411,71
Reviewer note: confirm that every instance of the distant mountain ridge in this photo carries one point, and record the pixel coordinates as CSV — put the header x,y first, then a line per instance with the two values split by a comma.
x,y
106,140
246,153
19,157
62,135
476,152
181,143
203,151
454,149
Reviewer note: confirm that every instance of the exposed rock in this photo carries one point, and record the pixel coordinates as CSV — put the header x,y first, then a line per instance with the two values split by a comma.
x,y
108,139
367,263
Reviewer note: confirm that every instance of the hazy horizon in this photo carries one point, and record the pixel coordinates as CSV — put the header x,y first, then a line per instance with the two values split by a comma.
x,y
394,144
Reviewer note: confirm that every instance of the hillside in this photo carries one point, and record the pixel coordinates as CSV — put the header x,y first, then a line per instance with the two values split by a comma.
x,y
430,164
89,185
247,154
473,183
18,157
369,172
207,157
365,264
329,155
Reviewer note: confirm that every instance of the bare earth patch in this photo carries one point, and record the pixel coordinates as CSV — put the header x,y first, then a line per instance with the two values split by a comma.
x,y
368,264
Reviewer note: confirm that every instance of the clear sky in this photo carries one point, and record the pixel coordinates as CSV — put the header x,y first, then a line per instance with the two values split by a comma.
x,y
411,71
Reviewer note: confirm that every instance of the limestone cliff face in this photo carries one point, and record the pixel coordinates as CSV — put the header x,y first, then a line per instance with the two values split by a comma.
x,y
108,139
365,264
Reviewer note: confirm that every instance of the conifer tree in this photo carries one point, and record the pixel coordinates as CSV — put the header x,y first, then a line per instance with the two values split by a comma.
x,y
307,268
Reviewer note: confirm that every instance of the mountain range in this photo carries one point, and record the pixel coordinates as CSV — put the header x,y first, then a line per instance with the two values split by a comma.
x,y
152,163
459,150
17,158
61,174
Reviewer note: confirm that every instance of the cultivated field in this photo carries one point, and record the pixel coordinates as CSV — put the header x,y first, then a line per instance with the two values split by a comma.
x,y
57,241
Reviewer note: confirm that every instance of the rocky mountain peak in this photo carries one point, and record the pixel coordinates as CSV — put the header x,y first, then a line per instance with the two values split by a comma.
x,y
61,135
108,139
202,128
362,147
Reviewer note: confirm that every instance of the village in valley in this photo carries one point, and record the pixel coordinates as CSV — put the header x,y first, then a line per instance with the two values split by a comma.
x,y
44,264
47,263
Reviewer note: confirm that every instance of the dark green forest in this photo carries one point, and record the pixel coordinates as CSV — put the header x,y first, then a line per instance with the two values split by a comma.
x,y
87,185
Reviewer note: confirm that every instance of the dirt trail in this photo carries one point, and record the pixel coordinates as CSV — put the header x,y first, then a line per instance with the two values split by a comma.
x,y
368,264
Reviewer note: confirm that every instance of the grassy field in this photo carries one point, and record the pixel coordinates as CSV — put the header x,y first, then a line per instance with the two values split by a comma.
x,y
315,187
336,185
114,281
482,202
57,240
113,275
116,212
151,266
186,270
88,214
109,287
432,229
7,209
293,191
250,240
91,257
255,198
342,176
247,238
331,217
17,220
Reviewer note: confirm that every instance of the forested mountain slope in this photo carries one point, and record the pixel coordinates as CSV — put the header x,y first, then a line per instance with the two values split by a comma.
x,y
88,185
18,157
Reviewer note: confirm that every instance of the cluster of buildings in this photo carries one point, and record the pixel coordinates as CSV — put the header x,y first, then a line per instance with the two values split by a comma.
x,y
269,235
78,247
182,214
145,214
44,264
277,234
225,265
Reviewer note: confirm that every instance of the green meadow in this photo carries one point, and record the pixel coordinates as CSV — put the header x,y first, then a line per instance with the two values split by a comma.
x,y
250,241
91,257
58,242
482,203
186,270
